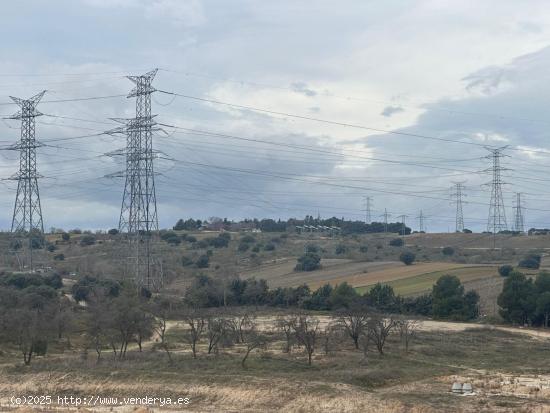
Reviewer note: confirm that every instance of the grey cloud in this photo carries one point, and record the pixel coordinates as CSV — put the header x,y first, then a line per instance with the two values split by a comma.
x,y
301,87
391,110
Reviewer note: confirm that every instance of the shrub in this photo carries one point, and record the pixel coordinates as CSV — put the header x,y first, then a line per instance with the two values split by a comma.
x,y
186,261
248,239
364,249
59,257
51,248
397,242
113,231
256,248
87,240
219,242
310,261
191,239
448,251
505,270
407,257
531,261
203,261
243,246
65,236
340,249
269,247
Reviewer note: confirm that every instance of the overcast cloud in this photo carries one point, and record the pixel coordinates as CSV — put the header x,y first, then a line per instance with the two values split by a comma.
x,y
456,70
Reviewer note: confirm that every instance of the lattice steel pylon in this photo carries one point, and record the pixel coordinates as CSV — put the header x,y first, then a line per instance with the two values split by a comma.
x,y
138,213
497,213
27,211
421,222
518,215
457,194
368,206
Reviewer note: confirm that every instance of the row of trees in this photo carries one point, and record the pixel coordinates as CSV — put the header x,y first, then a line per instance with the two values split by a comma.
x,y
526,301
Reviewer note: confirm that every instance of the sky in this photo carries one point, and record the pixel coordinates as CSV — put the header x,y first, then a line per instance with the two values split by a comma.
x,y
394,100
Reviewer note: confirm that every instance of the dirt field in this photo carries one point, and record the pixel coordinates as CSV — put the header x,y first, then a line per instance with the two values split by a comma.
x,y
282,274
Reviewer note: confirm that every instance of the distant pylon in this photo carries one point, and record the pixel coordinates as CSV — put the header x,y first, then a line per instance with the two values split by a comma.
x,y
27,212
138,213
421,224
497,214
386,214
518,215
457,195
368,205
403,226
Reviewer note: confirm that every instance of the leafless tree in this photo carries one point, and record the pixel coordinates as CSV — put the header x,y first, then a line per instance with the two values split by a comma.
x,y
196,321
379,328
306,330
162,309
330,335
354,322
286,326
252,340
407,331
216,331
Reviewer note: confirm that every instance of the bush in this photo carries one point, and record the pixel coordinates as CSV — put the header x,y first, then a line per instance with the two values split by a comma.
x,y
203,261
269,247
221,241
243,246
87,240
113,231
397,242
310,261
248,239
59,257
505,270
407,257
51,248
191,239
531,261
65,236
186,261
364,249
256,248
448,251
340,249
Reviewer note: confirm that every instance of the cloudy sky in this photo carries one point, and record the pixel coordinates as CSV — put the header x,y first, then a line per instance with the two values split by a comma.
x,y
394,100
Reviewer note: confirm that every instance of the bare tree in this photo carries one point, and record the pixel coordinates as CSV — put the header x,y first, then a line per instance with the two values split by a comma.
x,y
286,326
407,331
354,322
306,330
379,328
252,340
216,331
196,321
330,335
162,310
364,344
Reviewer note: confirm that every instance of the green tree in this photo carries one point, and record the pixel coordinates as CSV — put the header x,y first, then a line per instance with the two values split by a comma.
x,y
310,261
517,300
450,302
343,296
407,257
382,297
543,306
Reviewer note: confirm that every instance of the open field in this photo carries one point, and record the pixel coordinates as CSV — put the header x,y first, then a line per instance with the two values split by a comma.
x,y
423,282
342,380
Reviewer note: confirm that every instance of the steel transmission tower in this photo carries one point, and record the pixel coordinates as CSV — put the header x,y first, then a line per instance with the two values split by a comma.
x,y
368,205
138,213
421,222
518,215
386,214
457,194
497,214
403,226
27,212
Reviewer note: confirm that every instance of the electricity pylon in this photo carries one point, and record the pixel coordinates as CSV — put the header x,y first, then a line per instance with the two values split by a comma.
x,y
368,205
27,212
497,214
457,195
386,214
421,222
138,213
518,215
403,226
